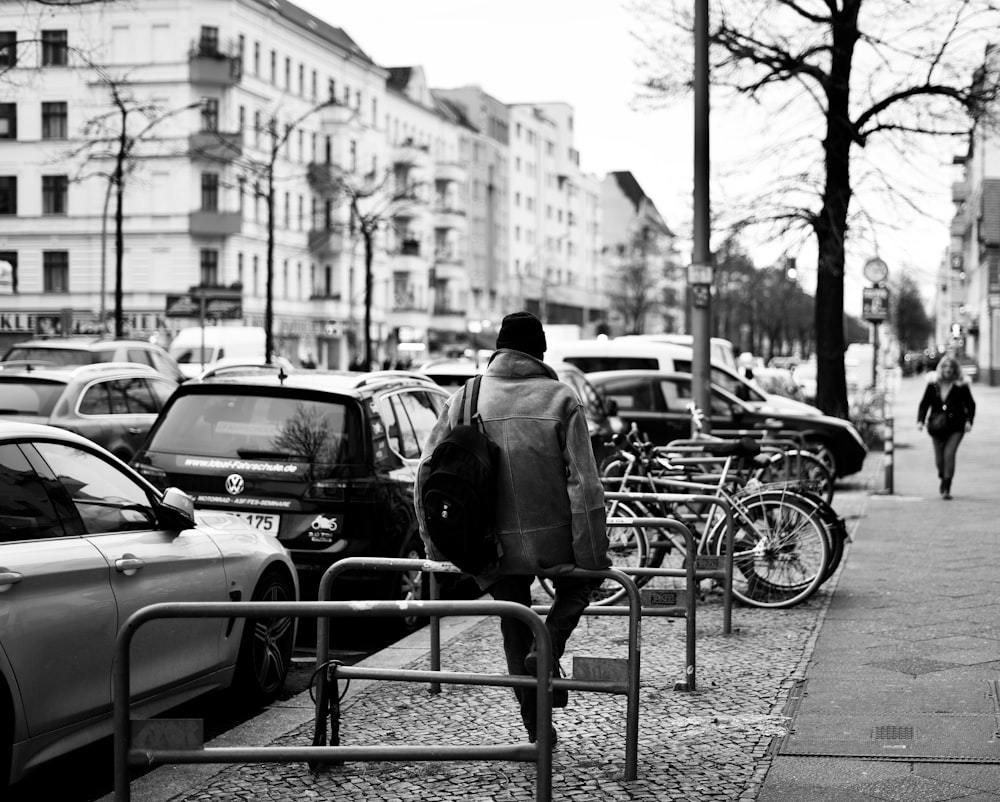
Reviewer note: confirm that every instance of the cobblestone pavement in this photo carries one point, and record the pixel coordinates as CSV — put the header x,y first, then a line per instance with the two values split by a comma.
x,y
711,744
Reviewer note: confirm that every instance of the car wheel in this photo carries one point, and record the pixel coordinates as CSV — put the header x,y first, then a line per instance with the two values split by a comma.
x,y
826,456
409,586
266,648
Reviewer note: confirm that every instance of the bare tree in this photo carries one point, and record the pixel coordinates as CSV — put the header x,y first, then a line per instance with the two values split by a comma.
x,y
116,135
371,203
846,84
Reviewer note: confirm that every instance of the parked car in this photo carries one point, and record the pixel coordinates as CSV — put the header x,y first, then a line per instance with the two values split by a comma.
x,y
656,401
91,350
721,351
779,381
628,353
323,461
84,543
113,404
451,373
602,417
196,348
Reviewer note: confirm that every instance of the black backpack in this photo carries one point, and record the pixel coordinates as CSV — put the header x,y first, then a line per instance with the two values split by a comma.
x,y
459,492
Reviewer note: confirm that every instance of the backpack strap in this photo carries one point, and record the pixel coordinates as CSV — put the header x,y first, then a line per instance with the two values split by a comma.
x,y
470,402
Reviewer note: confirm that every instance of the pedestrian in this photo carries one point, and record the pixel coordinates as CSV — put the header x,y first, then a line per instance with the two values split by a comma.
x,y
948,395
550,502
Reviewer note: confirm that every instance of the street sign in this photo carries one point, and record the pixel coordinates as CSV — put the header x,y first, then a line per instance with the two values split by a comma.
x,y
874,303
875,270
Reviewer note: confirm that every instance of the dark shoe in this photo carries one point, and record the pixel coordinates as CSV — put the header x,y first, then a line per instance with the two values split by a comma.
x,y
946,489
533,737
560,696
946,497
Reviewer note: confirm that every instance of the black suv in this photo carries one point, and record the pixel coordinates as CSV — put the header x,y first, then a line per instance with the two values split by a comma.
x,y
325,461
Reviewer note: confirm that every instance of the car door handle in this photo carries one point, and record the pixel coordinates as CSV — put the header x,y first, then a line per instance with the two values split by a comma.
x,y
134,430
8,579
128,564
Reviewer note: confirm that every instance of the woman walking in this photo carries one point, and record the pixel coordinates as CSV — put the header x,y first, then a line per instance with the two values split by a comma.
x,y
947,409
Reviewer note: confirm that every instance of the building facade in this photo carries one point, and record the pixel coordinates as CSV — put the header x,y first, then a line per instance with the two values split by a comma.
x,y
244,162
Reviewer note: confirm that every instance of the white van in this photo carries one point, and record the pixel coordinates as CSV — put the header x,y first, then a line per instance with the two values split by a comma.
x,y
720,350
627,353
197,348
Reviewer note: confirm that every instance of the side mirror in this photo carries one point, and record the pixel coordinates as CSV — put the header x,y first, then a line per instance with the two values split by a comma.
x,y
176,509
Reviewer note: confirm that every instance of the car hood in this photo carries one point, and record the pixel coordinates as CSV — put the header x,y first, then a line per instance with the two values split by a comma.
x,y
778,405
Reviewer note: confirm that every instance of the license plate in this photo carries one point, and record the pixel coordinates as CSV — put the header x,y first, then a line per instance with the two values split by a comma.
x,y
260,521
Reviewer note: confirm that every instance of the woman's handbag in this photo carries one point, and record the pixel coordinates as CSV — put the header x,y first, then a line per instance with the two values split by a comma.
x,y
937,424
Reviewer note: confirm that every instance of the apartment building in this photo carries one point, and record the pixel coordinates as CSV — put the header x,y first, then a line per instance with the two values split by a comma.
x,y
643,278
554,218
226,104
968,288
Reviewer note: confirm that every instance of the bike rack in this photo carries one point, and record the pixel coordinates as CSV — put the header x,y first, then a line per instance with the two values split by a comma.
x,y
160,750
630,688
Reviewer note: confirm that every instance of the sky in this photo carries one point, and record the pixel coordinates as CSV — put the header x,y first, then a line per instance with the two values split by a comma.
x,y
583,52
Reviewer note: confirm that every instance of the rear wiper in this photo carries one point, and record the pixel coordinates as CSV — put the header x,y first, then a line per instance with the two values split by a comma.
x,y
254,453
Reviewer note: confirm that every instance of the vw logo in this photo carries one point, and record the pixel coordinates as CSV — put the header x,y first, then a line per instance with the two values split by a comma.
x,y
234,484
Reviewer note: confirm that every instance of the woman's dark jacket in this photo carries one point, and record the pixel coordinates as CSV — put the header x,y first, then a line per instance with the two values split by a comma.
x,y
959,408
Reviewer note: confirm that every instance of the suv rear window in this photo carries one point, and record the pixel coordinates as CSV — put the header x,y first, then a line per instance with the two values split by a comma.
x,y
261,426
29,397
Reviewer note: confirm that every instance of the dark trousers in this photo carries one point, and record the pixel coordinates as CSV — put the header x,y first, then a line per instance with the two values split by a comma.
x,y
572,596
945,449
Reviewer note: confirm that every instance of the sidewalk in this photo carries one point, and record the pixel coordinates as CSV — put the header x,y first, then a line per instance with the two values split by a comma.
x,y
900,696
881,687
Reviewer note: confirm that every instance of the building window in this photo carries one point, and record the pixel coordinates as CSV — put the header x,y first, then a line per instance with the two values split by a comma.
x,y
208,41
239,268
314,85
8,194
54,120
256,59
8,121
243,118
55,189
256,128
54,49
10,257
242,188
256,276
331,90
209,267
8,48
55,271
210,192
274,68
302,79
288,74
209,114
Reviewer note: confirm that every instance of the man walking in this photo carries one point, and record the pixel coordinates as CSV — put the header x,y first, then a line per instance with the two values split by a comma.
x,y
549,499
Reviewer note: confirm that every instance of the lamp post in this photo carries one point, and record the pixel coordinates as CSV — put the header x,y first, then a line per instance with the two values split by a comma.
x,y
700,271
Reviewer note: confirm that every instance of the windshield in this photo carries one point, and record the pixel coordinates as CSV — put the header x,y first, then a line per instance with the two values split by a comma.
x,y
29,397
261,427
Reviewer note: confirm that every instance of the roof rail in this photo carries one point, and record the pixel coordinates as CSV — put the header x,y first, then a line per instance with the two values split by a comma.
x,y
26,364
386,375
245,369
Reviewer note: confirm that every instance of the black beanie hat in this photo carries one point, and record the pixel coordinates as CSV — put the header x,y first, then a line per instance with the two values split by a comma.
x,y
522,331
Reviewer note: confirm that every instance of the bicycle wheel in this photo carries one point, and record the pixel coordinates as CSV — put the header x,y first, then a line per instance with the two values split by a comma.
x,y
628,549
780,548
799,469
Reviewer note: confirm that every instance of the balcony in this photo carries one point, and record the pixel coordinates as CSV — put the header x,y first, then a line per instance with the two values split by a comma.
x,y
209,66
450,171
411,154
448,218
215,224
216,146
959,192
448,266
326,241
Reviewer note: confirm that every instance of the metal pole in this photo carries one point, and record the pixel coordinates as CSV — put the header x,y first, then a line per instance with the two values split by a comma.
x,y
888,455
700,275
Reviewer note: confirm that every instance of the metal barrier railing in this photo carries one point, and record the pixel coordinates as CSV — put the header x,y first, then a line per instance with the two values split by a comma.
x,y
630,689
723,575
539,752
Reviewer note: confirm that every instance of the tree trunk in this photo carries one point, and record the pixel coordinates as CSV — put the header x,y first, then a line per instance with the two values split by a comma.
x,y
119,224
830,224
368,236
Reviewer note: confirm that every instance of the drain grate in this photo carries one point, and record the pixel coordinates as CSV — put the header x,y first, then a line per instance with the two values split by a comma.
x,y
891,732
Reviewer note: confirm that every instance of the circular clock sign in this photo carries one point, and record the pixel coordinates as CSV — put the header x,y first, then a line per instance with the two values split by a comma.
x,y
875,270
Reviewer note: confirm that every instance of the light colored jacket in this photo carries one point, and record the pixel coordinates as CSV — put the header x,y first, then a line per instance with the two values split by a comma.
x,y
550,502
